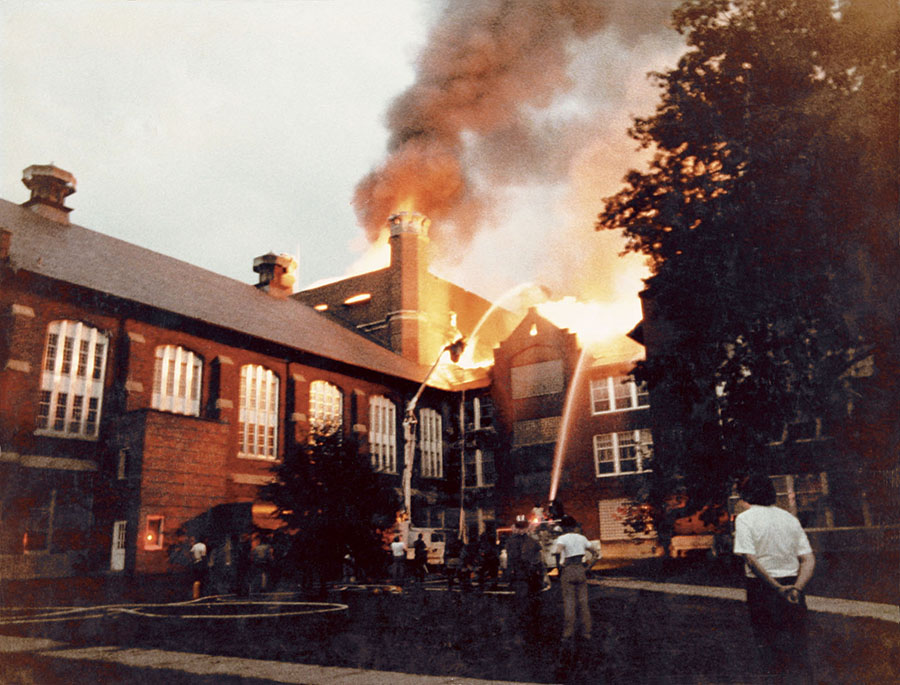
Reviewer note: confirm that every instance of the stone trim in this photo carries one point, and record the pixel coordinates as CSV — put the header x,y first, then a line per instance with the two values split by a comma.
x,y
298,418
251,479
223,359
22,310
224,404
134,386
136,337
37,461
17,365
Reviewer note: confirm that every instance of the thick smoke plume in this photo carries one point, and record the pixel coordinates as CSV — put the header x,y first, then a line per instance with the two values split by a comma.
x,y
491,108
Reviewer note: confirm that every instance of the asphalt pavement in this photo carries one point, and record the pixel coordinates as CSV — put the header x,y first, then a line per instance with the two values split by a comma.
x,y
37,660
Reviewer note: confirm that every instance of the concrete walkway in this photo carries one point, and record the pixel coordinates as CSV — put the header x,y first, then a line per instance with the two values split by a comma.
x,y
845,607
209,667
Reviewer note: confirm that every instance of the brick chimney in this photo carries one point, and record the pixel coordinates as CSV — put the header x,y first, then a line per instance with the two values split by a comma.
x,y
409,268
277,274
49,186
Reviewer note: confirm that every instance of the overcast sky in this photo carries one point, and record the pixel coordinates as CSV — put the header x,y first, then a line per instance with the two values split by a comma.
x,y
215,132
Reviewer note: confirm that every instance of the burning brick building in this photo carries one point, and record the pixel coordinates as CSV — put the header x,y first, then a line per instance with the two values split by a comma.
x,y
143,399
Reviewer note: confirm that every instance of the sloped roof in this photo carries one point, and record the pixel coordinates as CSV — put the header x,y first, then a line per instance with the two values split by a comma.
x,y
77,255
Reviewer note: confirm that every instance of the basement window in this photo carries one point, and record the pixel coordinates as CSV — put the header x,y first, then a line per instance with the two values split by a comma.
x,y
153,538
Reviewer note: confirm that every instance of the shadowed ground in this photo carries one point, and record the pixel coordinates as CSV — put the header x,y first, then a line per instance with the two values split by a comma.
x,y
639,637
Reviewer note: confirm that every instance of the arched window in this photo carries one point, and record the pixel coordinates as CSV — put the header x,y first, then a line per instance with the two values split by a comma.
x,y
383,434
176,380
258,412
326,408
72,379
431,444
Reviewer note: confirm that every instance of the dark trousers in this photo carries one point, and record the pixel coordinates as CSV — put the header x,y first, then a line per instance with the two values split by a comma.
x,y
780,631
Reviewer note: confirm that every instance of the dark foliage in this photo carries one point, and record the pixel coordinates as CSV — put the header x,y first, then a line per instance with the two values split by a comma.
x,y
769,214
330,502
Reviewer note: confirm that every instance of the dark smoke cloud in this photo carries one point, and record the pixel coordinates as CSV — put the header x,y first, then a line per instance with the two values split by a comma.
x,y
471,122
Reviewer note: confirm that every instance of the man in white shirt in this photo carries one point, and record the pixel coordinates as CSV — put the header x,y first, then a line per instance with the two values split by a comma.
x,y
200,566
779,562
576,553
398,559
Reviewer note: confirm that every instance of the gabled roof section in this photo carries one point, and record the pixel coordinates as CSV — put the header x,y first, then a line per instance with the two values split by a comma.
x,y
77,255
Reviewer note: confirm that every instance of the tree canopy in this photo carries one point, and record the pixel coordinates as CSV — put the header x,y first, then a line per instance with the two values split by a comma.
x,y
330,501
769,216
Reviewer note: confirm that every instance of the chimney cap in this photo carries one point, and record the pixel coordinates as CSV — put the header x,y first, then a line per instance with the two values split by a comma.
x,y
36,172
409,222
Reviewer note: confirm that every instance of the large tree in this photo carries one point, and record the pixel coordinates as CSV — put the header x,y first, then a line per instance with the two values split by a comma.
x,y
330,501
769,215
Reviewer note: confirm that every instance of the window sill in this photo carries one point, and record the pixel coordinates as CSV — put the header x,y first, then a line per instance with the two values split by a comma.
x,y
47,432
626,473
619,411
255,457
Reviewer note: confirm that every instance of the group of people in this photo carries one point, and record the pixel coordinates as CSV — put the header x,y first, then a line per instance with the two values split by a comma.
x,y
525,570
778,564
253,559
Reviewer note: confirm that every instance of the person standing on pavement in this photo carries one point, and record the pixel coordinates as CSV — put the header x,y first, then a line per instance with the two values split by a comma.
x,y
778,562
398,559
525,570
576,553
420,558
199,567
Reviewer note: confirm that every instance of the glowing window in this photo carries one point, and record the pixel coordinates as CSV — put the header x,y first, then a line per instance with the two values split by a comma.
x,y
258,412
431,444
72,380
326,408
383,434
176,380
153,536
358,299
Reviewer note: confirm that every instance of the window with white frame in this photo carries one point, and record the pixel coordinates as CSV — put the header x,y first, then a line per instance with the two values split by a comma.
x,y
258,412
326,408
72,380
480,472
617,393
383,434
430,443
623,452
176,380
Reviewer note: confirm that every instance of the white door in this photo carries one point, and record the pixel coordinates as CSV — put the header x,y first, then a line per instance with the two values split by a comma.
x,y
117,556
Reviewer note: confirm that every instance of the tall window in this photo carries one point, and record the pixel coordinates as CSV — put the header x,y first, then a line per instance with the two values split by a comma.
x,y
480,470
623,452
326,408
617,393
258,412
383,434
176,380
72,379
430,444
